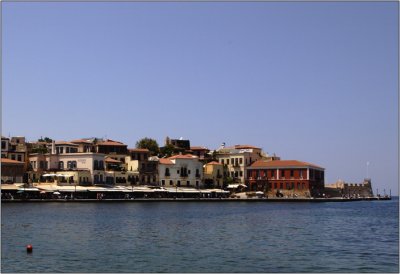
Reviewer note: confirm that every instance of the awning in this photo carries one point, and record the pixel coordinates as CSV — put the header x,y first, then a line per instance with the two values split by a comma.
x,y
236,185
28,189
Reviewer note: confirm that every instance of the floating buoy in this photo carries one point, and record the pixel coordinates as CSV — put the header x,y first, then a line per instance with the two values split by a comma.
x,y
29,248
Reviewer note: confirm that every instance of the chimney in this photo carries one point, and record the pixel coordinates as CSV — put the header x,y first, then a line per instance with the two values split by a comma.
x,y
53,147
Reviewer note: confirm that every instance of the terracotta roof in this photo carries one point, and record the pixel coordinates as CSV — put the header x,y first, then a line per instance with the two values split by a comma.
x,y
214,163
186,156
245,146
79,141
9,161
111,160
64,143
198,148
110,143
138,149
165,161
283,163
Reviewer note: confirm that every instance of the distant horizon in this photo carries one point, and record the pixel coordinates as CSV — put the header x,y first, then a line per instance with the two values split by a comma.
x,y
310,81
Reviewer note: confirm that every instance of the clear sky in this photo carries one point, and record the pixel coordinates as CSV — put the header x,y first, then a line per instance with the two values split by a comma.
x,y
311,81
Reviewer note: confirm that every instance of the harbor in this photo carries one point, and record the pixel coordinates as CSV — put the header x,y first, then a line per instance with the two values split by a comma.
x,y
54,193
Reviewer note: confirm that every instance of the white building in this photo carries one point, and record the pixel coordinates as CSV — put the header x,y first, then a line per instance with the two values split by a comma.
x,y
181,171
237,158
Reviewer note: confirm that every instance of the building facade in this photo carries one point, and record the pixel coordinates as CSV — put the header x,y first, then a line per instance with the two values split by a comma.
x,y
213,175
11,171
286,177
236,159
181,171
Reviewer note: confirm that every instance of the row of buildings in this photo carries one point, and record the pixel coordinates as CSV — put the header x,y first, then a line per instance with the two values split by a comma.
x,y
94,161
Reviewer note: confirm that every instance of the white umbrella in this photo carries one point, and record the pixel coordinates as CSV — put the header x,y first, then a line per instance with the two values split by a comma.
x,y
56,193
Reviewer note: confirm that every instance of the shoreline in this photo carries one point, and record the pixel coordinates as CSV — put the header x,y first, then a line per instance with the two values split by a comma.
x,y
280,200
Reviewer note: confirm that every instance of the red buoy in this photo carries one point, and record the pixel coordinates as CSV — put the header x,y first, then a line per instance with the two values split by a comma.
x,y
29,248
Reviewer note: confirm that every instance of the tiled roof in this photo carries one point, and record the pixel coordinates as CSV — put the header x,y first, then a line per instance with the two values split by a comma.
x,y
138,149
214,163
64,143
9,161
283,163
79,141
111,160
165,161
110,143
245,147
186,156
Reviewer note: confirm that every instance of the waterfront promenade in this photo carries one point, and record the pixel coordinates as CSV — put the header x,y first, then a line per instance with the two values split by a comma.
x,y
263,199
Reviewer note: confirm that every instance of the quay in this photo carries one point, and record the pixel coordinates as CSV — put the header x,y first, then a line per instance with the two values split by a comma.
x,y
263,199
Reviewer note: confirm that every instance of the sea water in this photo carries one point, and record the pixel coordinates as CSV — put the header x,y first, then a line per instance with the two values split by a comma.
x,y
360,236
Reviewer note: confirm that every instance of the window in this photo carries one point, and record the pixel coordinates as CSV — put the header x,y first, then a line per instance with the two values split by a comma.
x,y
291,173
241,173
222,161
95,165
179,183
241,161
67,149
282,173
236,174
232,174
61,150
12,157
19,158
227,161
275,185
188,171
101,164
197,183
177,171
272,174
3,145
301,174
171,182
167,172
163,182
281,185
61,165
287,185
188,183
41,163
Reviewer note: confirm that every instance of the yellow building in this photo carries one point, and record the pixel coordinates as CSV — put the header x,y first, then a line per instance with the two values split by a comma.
x,y
213,172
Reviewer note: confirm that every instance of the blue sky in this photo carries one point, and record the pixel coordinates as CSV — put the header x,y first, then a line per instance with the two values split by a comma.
x,y
311,81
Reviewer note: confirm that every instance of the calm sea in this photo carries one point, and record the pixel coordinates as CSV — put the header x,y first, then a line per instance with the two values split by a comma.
x,y
201,237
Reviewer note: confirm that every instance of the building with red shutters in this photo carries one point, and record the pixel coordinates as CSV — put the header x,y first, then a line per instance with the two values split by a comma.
x,y
286,177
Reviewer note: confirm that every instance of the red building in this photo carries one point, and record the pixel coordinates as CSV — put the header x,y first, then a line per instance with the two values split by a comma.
x,y
287,177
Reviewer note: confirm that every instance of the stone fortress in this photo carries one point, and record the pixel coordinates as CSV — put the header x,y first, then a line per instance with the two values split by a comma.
x,y
343,189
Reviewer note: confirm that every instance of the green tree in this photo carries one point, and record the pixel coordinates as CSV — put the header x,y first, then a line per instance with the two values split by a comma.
x,y
150,144
45,139
167,151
